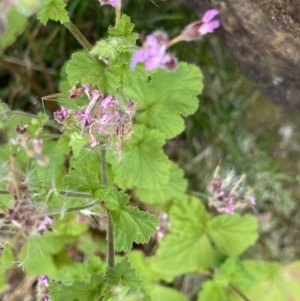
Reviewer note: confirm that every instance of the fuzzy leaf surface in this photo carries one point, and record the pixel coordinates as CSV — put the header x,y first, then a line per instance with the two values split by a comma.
x,y
131,224
233,234
162,109
144,164
53,10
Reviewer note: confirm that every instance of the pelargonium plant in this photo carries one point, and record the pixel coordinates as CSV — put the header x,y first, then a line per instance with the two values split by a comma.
x,y
98,161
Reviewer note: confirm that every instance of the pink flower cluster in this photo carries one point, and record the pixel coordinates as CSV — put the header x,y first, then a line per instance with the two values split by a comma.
x,y
229,193
102,118
153,53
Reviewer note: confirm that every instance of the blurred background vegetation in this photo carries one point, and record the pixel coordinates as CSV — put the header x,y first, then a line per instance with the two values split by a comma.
x,y
234,125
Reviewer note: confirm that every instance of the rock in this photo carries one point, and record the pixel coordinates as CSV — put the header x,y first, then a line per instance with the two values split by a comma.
x,y
263,37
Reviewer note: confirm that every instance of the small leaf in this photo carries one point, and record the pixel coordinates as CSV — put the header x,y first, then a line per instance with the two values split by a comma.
x,y
212,292
37,124
233,234
233,272
78,291
123,273
123,30
82,180
144,164
53,10
131,224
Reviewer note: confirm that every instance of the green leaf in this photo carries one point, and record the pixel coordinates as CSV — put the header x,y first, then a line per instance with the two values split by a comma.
x,y
186,242
78,291
233,234
144,164
53,10
37,254
123,274
85,69
131,224
114,49
212,292
144,268
37,124
166,293
124,30
233,272
270,283
82,180
15,25
175,187
161,108
81,271
77,142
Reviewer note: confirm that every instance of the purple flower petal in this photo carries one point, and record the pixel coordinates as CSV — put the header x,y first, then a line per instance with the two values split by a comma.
x,y
209,15
209,27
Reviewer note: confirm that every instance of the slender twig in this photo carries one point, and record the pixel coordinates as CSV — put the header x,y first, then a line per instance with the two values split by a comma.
x,y
10,67
110,224
81,39
40,60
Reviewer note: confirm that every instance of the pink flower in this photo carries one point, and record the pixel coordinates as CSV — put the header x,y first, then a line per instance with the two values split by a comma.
x,y
43,280
197,29
105,119
153,53
94,142
61,115
46,223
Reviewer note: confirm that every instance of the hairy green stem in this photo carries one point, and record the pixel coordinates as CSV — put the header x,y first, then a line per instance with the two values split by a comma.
x,y
78,36
81,39
110,225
